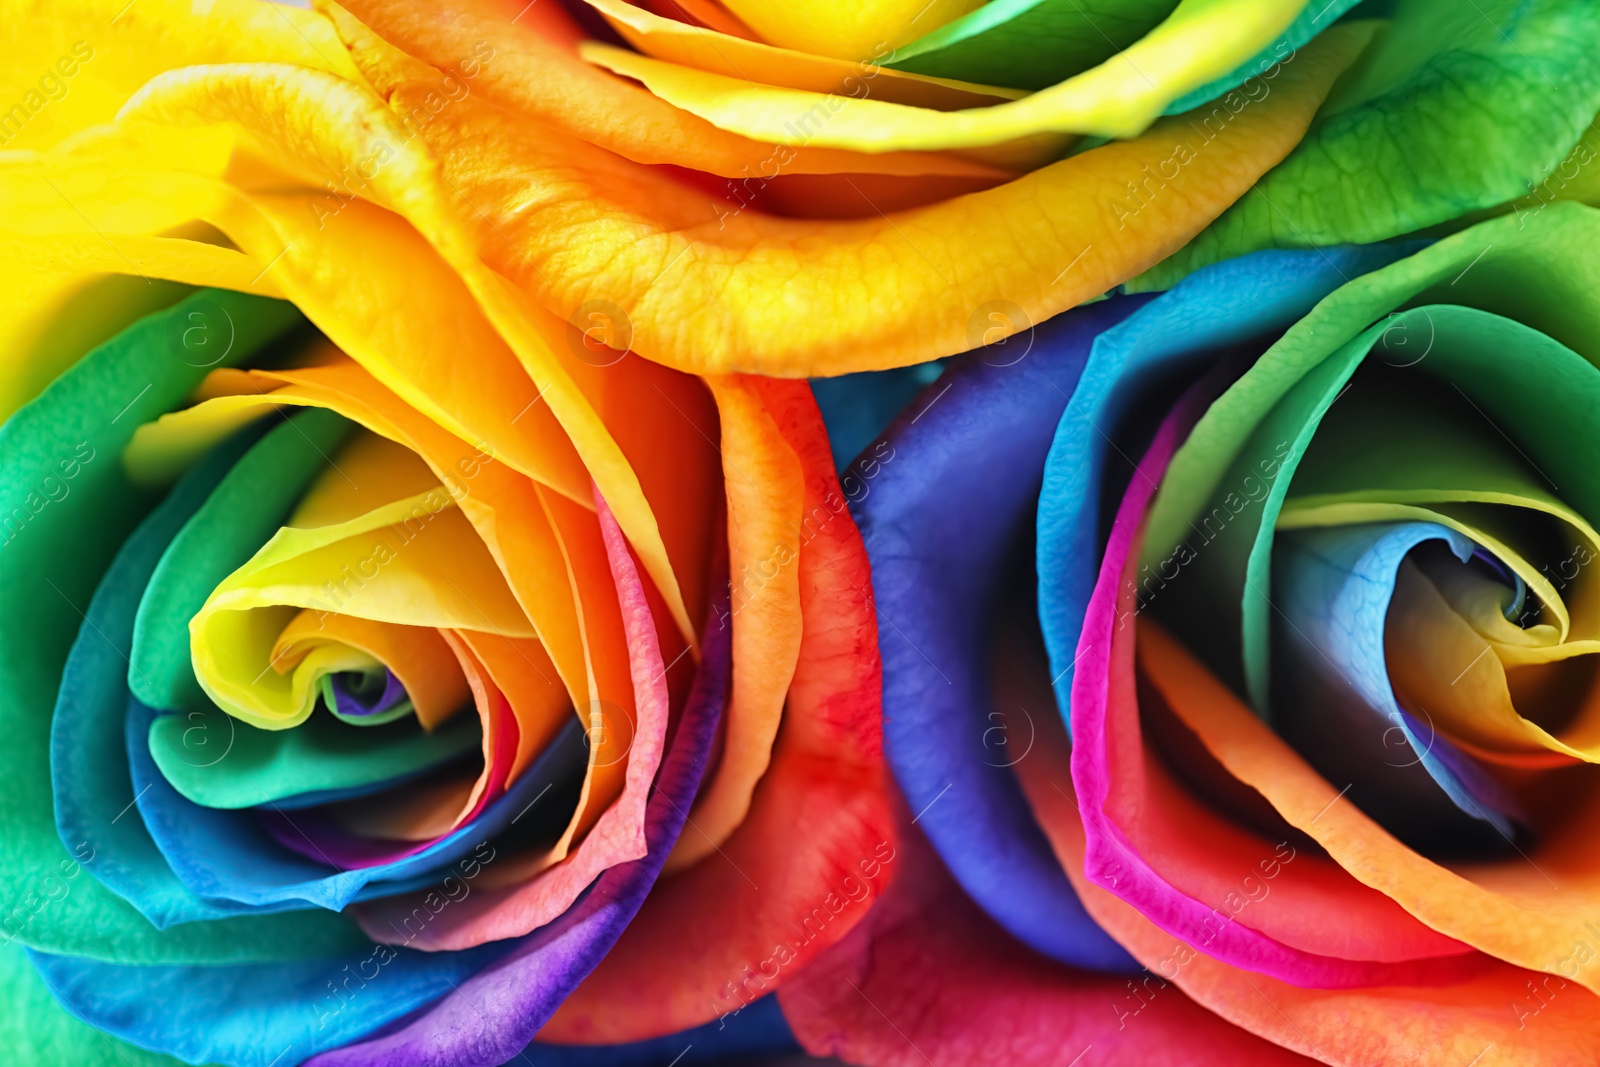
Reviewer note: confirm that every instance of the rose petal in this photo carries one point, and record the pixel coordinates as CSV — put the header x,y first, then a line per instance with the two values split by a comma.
x,y
1143,838
51,565
105,55
752,908
529,65
1201,41
494,1014
257,1014
947,490
518,905
758,1031
1223,308
1533,91
928,978
88,752
695,46
1350,1027
765,490
659,250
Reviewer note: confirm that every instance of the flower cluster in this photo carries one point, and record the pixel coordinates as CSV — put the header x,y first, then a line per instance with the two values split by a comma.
x,y
680,531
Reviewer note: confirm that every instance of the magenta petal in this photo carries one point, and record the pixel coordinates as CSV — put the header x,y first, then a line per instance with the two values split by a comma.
x,y
1111,859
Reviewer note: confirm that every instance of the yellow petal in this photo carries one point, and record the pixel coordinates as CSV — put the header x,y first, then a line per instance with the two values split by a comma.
x,y
416,562
1199,42
529,65
712,290
329,127
371,472
501,504
848,29
850,119
57,307
417,655
72,63
329,247
720,53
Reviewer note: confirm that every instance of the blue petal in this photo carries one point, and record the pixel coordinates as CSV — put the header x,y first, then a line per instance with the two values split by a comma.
x,y
758,1029
480,1005
1335,585
1243,302
250,1016
88,760
955,479
228,854
856,407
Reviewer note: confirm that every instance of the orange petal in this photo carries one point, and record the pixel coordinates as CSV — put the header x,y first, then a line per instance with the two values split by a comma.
x,y
529,65
1505,1017
522,671
712,289
1531,911
765,487
788,883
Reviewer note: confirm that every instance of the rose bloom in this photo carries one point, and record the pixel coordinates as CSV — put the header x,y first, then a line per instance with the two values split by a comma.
x,y
1308,574
369,631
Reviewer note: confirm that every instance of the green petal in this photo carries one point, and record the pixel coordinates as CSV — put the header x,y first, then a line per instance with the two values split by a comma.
x,y
1542,276
66,506
1030,44
249,506
36,1031
1457,108
322,753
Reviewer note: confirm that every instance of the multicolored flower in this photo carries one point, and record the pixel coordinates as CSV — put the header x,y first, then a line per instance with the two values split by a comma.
x,y
1308,562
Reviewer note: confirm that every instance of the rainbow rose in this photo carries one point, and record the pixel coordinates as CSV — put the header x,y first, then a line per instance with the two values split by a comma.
x,y
375,642
1308,575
